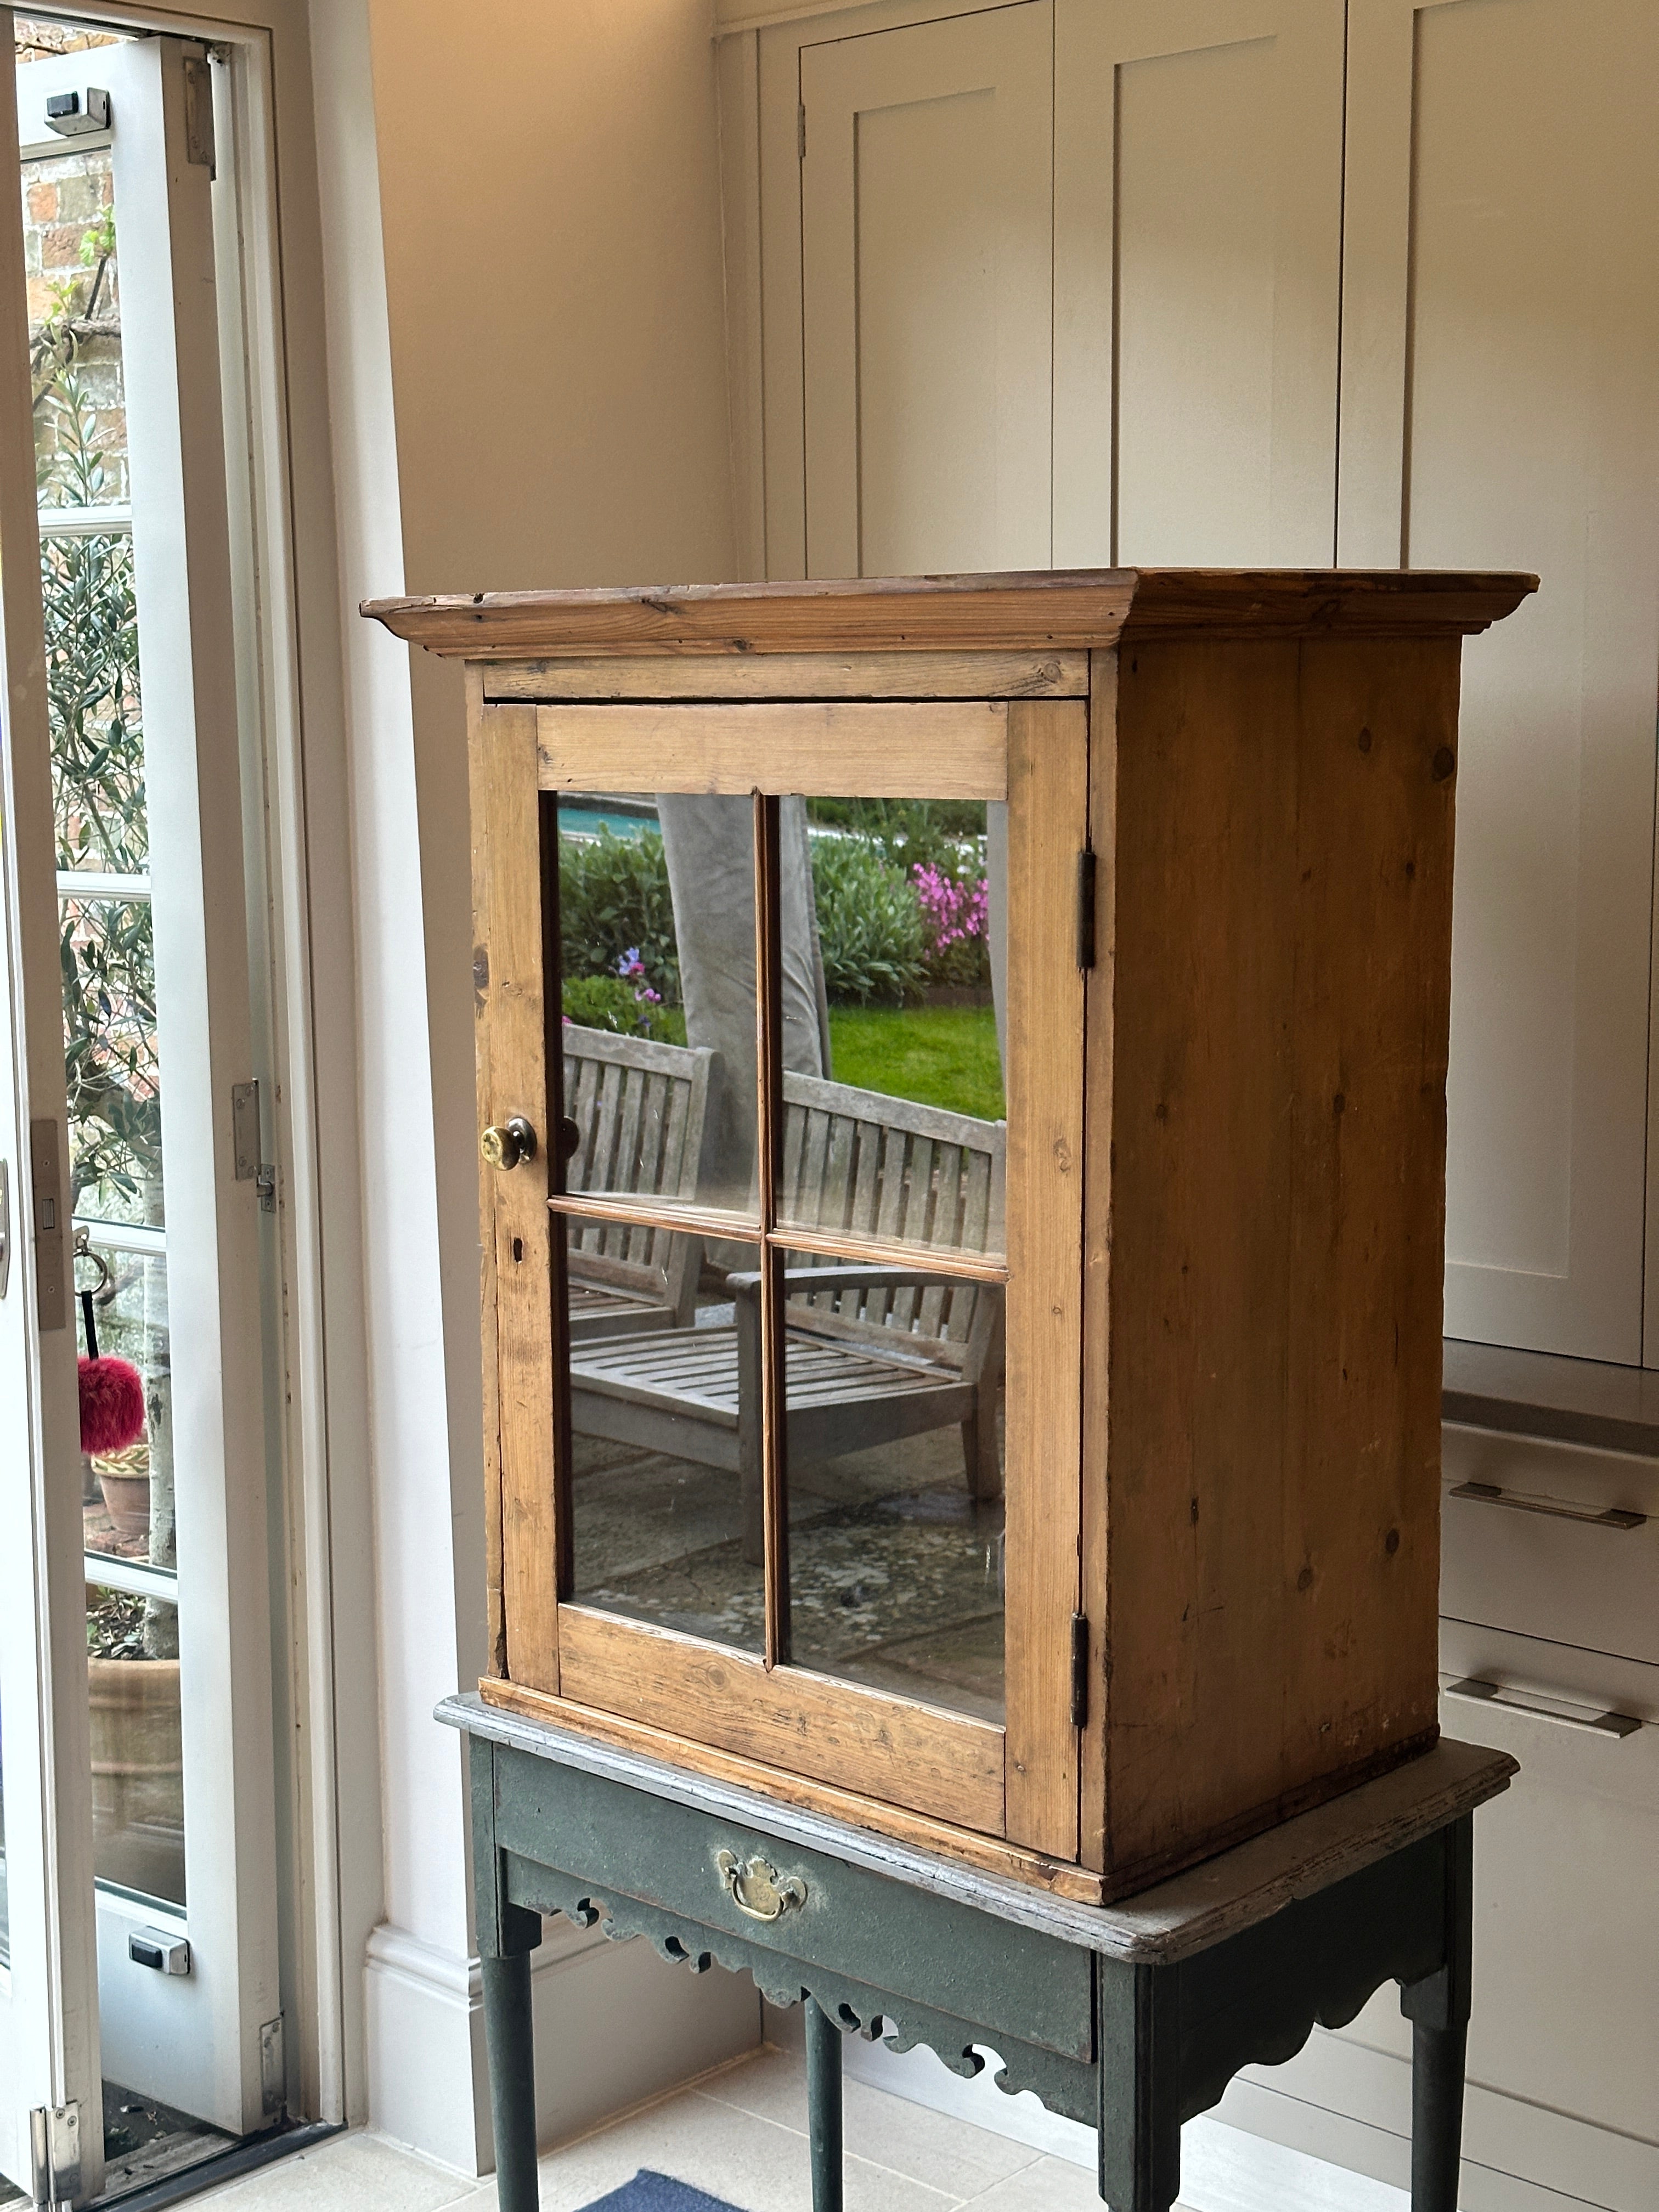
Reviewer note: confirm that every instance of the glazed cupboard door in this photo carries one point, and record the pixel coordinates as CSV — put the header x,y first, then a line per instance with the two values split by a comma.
x,y
1501,409
779,1308
1197,281
926,241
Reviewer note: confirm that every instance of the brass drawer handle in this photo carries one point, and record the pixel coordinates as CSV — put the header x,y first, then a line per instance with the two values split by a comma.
x,y
1488,1493
1473,1693
756,1890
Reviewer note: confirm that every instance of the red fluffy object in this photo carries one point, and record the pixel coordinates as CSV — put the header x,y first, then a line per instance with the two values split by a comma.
x,y
111,1404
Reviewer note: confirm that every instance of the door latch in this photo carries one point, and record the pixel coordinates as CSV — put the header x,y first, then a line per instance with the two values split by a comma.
x,y
55,2153
51,1247
156,1948
245,1135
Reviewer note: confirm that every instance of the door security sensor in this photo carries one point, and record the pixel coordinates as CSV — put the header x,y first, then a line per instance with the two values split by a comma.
x,y
66,116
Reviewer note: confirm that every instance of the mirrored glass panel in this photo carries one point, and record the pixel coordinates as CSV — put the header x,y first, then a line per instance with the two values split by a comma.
x,y
657,964
665,1451
138,1741
894,1395
895,1132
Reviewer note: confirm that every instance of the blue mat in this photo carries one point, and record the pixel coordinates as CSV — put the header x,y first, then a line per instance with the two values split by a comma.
x,y
656,2192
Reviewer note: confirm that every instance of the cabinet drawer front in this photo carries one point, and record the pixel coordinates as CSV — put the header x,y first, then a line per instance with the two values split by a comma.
x,y
886,1934
1521,1548
1566,1714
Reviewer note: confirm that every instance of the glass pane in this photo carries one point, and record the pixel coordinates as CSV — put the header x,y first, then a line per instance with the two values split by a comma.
x,y
128,1505
665,1459
895,1456
657,958
137,1753
902,1137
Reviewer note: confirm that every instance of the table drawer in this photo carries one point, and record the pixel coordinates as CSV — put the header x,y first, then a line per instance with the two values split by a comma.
x,y
1522,1546
889,1936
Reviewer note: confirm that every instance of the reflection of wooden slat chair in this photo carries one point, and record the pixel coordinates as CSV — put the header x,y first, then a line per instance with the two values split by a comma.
x,y
640,1110
874,1353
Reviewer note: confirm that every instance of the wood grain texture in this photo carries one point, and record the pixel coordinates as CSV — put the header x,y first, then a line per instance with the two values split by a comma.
x,y
1047,788
512,1075
1235,1890
981,675
497,1617
935,749
1030,610
1097,1036
940,1764
1276,1156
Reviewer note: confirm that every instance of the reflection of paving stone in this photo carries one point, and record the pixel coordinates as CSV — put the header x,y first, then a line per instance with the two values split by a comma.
x,y
894,1568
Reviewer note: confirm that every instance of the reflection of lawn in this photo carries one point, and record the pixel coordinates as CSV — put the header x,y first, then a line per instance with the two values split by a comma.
x,y
940,1055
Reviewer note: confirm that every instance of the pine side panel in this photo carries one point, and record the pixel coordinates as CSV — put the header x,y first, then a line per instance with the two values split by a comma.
x,y
496,1618
1205,899
517,1227
1097,1252
1047,821
1361,1559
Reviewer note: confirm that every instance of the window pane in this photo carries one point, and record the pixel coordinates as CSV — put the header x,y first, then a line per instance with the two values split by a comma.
x,y
901,1137
665,1452
137,1743
657,958
894,1464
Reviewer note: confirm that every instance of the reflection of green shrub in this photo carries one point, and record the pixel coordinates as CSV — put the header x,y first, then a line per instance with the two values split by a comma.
x,y
869,924
608,1002
933,831
613,898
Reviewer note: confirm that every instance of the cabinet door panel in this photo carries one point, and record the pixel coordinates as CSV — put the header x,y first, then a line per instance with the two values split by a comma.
x,y
1198,212
926,242
1501,408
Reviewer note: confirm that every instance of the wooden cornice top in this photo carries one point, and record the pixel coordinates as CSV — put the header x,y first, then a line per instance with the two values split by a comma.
x,y
1033,610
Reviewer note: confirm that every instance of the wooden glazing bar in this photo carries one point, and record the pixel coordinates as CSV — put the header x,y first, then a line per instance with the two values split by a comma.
x,y
768,1153
641,1213
564,1553
948,1260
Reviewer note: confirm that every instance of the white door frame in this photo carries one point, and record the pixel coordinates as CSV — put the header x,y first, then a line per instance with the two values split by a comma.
x,y
321,1533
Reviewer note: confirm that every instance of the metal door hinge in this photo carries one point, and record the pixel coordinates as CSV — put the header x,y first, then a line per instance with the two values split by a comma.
x,y
55,2149
1079,1670
199,148
1085,909
800,130
245,1137
51,1247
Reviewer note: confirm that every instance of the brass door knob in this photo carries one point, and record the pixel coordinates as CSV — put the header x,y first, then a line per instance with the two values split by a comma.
x,y
504,1143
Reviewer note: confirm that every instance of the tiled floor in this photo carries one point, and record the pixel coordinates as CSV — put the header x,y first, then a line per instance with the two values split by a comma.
x,y
738,2134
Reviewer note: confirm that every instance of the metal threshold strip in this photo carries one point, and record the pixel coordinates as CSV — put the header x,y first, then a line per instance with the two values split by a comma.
x,y
244,2157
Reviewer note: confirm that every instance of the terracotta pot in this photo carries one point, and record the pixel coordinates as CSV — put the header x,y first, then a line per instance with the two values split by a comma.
x,y
124,1477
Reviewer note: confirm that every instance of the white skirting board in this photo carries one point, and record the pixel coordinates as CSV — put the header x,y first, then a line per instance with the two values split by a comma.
x,y
615,2026
1293,2144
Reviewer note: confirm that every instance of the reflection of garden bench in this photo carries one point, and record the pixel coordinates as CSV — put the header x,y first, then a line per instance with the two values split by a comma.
x,y
875,1353
640,1110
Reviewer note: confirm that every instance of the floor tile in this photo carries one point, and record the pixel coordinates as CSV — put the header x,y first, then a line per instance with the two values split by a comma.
x,y
1048,2184
357,2172
946,2153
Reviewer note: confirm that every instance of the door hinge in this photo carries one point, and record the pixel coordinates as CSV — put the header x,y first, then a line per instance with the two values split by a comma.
x,y
51,1247
1079,1670
200,150
245,1138
55,2149
800,131
273,2069
1085,909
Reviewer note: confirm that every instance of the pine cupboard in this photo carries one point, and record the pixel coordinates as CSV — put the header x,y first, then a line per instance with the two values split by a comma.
x,y
1055,1486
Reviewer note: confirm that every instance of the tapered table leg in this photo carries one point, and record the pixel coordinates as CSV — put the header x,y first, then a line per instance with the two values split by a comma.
x,y
824,2106
512,2079
1437,2058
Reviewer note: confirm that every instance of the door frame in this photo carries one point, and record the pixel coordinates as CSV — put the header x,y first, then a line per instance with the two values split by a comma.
x,y
321,1528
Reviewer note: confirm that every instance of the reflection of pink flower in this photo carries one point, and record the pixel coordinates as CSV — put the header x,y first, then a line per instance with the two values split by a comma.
x,y
631,968
952,912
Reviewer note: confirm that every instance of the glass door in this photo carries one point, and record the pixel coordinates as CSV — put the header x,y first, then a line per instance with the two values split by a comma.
x,y
814,1267
167,1173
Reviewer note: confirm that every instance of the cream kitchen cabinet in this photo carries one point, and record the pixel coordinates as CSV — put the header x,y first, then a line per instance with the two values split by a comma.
x,y
1278,281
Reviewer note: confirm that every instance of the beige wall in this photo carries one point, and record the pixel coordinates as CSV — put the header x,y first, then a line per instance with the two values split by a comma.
x,y
527,382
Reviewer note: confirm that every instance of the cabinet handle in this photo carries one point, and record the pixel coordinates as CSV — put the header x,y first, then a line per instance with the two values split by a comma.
x,y
1473,1693
1611,1517
755,1888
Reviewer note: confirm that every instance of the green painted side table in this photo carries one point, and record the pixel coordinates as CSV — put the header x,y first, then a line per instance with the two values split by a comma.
x,y
1130,2018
